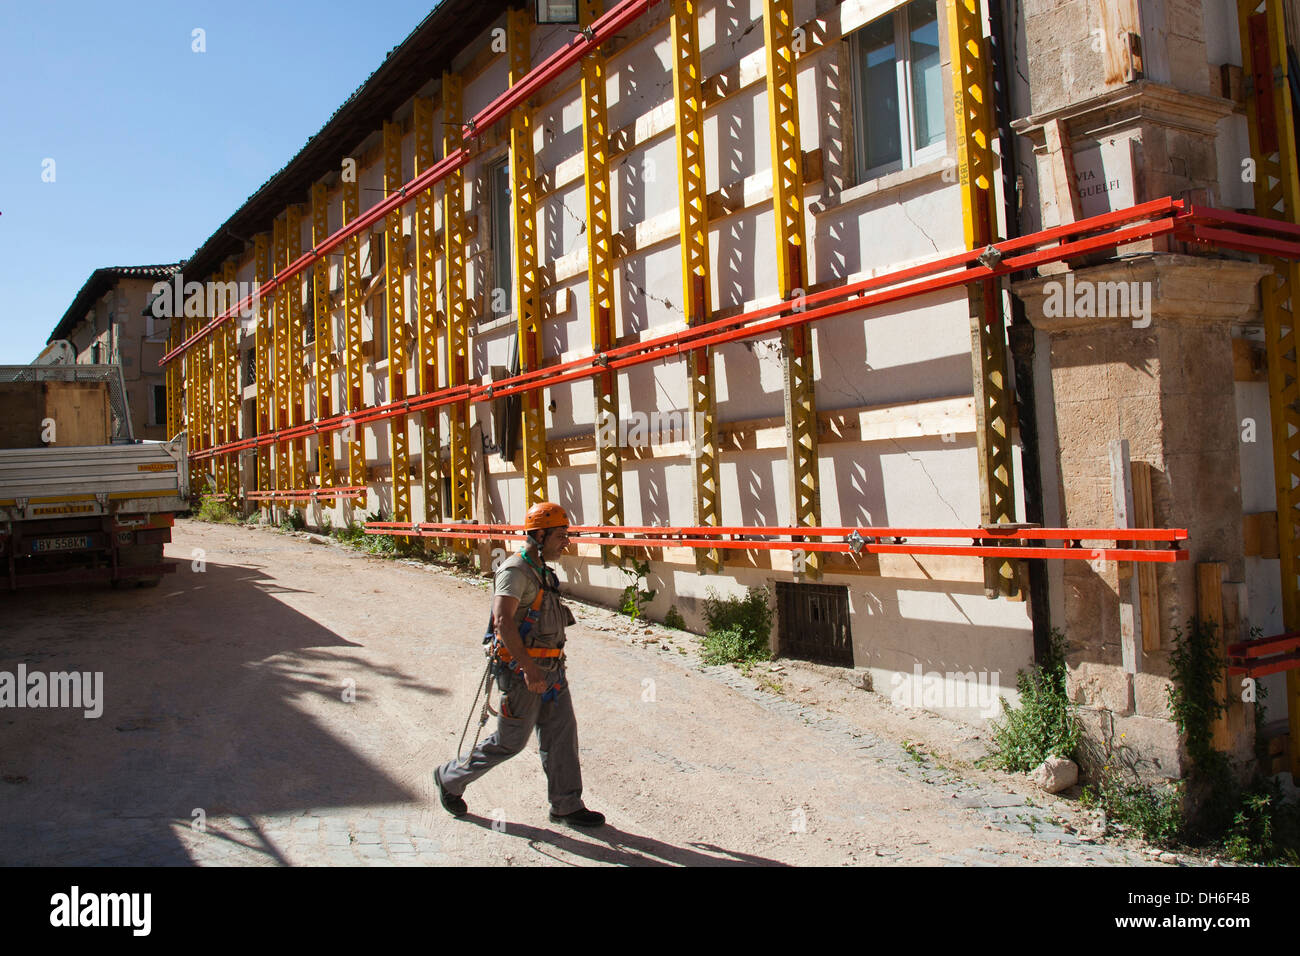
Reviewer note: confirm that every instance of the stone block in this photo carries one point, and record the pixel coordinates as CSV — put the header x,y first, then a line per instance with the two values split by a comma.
x,y
1103,685
1078,370
1136,371
1141,421
1151,694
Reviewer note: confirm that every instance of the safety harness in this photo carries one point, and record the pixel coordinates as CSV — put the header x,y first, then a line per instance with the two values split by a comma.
x,y
501,663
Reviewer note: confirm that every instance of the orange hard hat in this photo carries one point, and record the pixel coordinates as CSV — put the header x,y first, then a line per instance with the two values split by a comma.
x,y
544,514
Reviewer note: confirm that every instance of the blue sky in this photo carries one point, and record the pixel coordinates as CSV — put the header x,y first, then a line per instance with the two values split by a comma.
x,y
155,145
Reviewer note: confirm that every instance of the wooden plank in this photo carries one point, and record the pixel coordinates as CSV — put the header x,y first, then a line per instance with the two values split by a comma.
x,y
1144,516
1259,534
1061,160
1209,608
1121,41
1130,604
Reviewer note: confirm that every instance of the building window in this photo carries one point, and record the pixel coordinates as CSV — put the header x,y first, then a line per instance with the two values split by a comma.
x,y
159,405
898,91
502,267
250,366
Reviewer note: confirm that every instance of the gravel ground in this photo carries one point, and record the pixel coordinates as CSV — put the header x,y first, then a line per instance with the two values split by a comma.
x,y
283,700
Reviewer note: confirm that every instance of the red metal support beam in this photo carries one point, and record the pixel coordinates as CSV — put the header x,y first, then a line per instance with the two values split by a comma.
x,y
1109,230
986,542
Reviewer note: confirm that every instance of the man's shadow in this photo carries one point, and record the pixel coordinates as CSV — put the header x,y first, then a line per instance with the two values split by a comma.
x,y
623,848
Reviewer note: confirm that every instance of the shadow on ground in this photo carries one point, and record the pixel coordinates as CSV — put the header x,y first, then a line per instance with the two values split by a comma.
x,y
195,717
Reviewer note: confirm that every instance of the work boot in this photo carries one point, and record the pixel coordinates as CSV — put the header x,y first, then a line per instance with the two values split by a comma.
x,y
450,802
580,818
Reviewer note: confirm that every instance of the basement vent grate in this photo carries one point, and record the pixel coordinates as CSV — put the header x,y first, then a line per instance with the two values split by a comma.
x,y
812,623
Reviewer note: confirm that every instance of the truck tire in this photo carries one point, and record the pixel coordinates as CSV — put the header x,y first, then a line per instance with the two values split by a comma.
x,y
135,556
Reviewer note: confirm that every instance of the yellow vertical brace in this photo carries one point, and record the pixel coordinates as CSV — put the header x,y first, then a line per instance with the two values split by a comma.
x,y
395,292
426,307
189,362
453,225
324,329
228,402
353,369
1277,195
600,280
528,291
297,345
282,389
204,391
263,343
993,398
792,268
217,398
692,196
173,373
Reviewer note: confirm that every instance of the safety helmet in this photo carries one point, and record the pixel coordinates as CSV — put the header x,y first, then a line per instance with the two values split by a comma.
x,y
544,514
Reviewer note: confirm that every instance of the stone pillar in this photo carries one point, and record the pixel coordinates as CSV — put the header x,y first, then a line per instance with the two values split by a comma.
x,y
1154,366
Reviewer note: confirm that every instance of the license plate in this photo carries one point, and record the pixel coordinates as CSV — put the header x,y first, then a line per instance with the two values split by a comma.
x,y
79,542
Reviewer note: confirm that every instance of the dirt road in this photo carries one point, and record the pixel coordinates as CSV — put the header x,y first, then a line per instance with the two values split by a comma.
x,y
283,701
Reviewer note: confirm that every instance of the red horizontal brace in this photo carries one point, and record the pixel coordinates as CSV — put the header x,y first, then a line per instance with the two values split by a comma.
x,y
345,491
664,538
1266,665
1246,242
822,531
1265,645
1226,217
743,326
603,29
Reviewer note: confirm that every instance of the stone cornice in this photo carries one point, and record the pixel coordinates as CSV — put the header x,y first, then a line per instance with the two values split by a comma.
x,y
1182,288
1127,107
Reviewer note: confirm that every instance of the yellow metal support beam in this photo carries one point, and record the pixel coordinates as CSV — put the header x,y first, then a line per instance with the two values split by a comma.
x,y
173,378
395,299
600,280
972,96
453,220
226,344
263,343
1277,195
353,368
692,201
297,345
527,280
324,329
792,268
283,388
426,305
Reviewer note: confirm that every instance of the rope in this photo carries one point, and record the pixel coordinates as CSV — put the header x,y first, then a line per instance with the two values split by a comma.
x,y
484,681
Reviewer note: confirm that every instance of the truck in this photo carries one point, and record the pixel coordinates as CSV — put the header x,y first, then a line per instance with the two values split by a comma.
x,y
82,500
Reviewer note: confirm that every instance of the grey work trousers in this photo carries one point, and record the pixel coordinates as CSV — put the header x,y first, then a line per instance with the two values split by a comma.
x,y
557,742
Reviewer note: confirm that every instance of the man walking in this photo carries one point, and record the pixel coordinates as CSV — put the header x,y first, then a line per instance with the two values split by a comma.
x,y
528,620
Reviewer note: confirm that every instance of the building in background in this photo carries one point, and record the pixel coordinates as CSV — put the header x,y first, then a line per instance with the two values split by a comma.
x,y
109,323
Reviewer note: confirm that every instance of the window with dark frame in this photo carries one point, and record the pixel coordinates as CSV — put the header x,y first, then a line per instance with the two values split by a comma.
x,y
159,405
898,91
502,240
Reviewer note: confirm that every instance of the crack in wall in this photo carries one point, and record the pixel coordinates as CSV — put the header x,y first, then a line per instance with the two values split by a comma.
x,y
903,206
